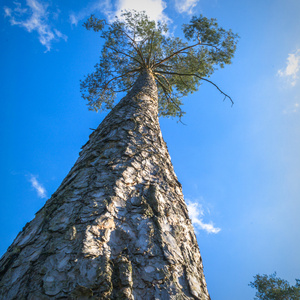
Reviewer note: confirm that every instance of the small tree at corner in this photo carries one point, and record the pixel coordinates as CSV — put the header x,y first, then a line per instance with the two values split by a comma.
x,y
270,287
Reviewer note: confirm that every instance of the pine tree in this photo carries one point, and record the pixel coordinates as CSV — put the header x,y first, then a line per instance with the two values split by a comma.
x,y
118,226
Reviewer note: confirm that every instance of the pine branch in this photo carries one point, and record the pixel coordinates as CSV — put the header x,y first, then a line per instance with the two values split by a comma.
x,y
151,48
134,45
186,74
173,54
118,51
167,81
131,71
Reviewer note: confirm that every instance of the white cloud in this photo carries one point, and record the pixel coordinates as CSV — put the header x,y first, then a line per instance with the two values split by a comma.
x,y
196,213
153,8
37,186
34,18
292,69
185,6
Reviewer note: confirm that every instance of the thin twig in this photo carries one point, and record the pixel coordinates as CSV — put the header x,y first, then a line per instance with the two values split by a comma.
x,y
184,74
169,98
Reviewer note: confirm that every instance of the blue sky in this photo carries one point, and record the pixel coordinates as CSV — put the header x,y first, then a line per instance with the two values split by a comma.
x,y
239,166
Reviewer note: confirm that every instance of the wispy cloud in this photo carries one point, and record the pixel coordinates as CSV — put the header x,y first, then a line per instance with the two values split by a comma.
x,y
185,6
34,18
196,213
291,71
37,186
7,11
153,8
294,108
93,7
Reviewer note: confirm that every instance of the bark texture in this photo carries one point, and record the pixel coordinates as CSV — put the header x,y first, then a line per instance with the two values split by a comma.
x,y
118,226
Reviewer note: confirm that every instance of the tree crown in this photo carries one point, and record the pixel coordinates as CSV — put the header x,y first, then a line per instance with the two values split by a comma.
x,y
133,43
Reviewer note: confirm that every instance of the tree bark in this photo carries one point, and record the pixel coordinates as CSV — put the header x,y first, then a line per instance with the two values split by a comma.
x,y
118,226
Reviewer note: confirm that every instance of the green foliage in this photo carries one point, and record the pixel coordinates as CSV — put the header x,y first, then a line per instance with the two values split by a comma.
x,y
222,43
133,43
270,287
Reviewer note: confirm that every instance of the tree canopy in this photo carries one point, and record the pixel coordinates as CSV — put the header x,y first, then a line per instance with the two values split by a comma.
x,y
270,287
133,43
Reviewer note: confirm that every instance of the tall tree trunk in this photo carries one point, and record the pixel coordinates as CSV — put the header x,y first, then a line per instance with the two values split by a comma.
x,y
118,226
